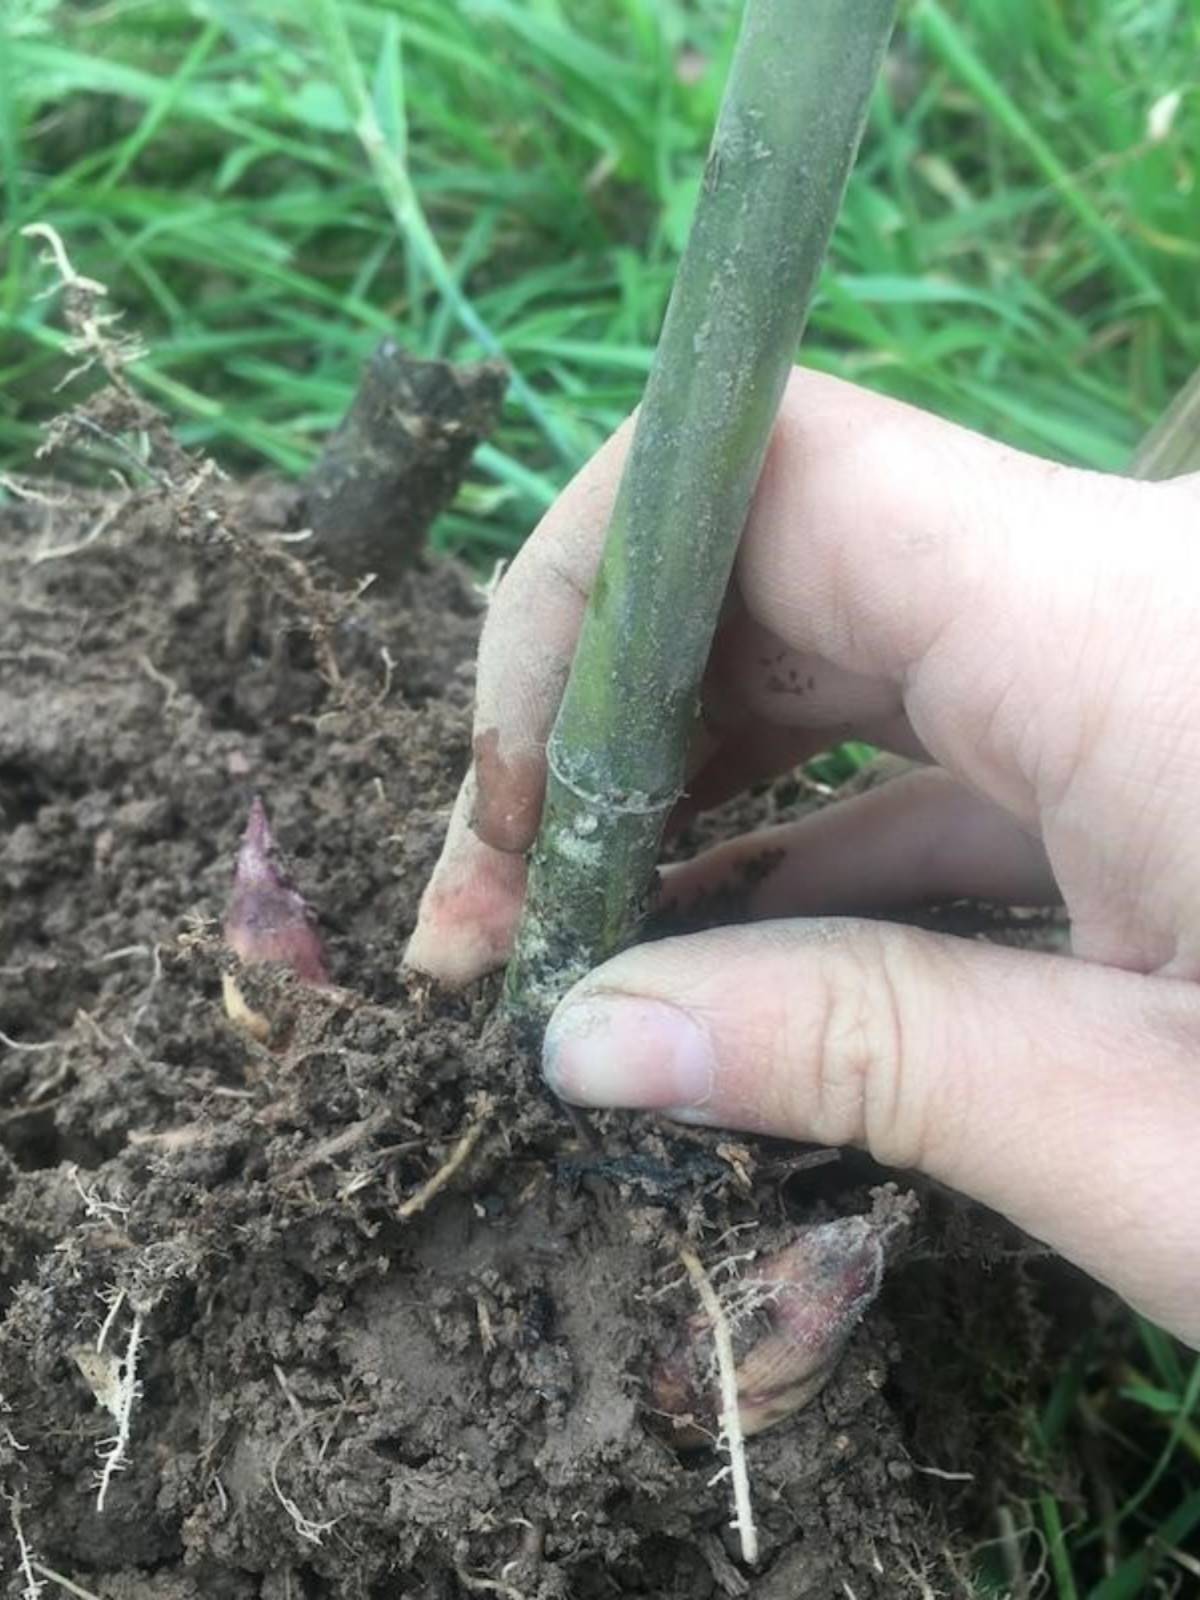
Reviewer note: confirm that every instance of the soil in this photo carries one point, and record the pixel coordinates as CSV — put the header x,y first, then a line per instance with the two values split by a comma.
x,y
346,1385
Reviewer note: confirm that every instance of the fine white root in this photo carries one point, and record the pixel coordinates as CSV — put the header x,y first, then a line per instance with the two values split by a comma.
x,y
126,1394
68,1585
91,328
112,1377
26,1564
33,1049
731,1422
311,1531
97,531
69,278
487,1585
115,1302
156,949
95,1207
457,1158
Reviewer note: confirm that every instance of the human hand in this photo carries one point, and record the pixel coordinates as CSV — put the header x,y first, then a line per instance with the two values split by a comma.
x,y
1033,632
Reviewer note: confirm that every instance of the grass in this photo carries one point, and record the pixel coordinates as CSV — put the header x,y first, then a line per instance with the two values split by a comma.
x,y
269,186
1133,1421
266,198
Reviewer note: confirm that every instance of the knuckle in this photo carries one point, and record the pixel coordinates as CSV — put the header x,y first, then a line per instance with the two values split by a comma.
x,y
863,1046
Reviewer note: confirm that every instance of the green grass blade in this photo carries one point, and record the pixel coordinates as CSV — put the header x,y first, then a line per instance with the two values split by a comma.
x,y
1131,1578
1056,1548
950,44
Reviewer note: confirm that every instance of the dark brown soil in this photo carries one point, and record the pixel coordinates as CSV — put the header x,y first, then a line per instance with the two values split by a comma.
x,y
339,1395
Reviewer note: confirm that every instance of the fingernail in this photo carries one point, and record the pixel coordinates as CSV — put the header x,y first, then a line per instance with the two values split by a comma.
x,y
622,1050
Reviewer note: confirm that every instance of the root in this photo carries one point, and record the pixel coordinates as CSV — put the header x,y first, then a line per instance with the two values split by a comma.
x,y
112,1378
731,1422
338,1144
127,1391
118,1300
194,488
92,336
32,1048
457,1158
68,1585
310,1531
95,1208
26,1565
156,969
306,1528
97,531
487,1585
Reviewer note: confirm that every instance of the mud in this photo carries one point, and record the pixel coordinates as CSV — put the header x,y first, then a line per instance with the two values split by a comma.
x,y
351,1382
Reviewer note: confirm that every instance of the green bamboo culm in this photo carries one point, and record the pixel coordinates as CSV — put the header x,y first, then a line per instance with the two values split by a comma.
x,y
785,140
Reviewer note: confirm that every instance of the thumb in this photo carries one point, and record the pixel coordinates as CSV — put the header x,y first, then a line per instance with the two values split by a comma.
x,y
1064,1095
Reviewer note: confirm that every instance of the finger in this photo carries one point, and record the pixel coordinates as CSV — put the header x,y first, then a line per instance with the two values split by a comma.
x,y
914,559
468,915
469,910
913,841
753,754
765,709
526,648
1061,1094
529,639
751,672
758,751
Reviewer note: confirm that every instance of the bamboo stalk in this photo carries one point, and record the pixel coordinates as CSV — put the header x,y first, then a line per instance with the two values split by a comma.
x,y
785,140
